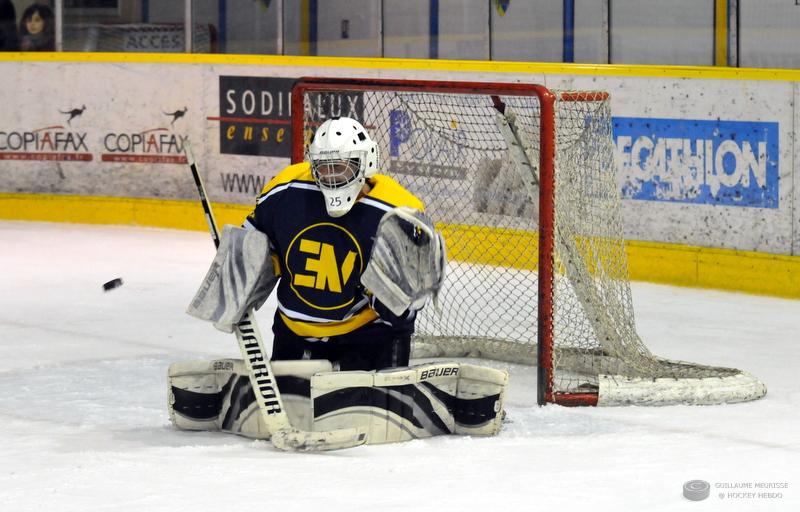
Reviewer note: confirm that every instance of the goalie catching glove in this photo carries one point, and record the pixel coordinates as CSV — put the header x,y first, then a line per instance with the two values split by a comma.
x,y
408,260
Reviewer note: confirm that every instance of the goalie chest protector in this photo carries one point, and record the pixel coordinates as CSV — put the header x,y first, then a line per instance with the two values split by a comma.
x,y
321,258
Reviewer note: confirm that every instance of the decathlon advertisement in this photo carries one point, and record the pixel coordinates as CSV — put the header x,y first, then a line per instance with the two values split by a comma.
x,y
706,162
729,163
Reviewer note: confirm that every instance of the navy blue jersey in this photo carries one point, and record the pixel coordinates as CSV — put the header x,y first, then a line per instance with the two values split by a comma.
x,y
321,258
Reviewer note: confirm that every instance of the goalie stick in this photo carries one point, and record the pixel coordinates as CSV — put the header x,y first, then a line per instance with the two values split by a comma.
x,y
262,379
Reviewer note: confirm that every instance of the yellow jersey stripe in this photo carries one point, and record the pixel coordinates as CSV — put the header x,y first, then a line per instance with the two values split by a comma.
x,y
389,191
313,330
296,172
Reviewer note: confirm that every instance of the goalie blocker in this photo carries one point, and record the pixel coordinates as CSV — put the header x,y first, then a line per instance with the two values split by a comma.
x,y
389,405
241,277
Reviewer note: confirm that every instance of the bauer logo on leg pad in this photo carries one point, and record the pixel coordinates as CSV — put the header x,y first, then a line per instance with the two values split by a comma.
x,y
431,373
223,365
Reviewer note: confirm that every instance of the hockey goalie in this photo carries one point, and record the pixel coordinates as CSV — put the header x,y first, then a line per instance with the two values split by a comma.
x,y
352,259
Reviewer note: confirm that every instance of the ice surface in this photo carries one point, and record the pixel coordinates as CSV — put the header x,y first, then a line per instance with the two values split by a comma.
x,y
83,422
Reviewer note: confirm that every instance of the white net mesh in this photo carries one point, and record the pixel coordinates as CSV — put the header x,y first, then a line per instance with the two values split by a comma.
x,y
449,151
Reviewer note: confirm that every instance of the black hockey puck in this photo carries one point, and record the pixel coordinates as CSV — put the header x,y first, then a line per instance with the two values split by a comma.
x,y
114,283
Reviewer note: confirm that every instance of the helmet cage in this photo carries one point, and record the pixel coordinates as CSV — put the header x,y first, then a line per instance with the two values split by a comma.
x,y
340,176
342,156
333,170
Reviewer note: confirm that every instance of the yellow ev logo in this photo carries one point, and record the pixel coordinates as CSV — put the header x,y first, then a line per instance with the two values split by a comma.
x,y
318,276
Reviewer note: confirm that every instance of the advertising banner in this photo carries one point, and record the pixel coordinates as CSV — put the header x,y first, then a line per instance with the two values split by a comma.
x,y
95,129
700,162
255,116
732,163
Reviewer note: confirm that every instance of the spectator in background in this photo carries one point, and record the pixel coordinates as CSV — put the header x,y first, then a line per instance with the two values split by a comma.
x,y
8,27
37,29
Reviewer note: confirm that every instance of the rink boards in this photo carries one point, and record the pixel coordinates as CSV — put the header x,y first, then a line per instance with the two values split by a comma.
x,y
705,156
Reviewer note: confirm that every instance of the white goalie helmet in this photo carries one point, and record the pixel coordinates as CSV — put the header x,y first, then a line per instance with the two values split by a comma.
x,y
342,156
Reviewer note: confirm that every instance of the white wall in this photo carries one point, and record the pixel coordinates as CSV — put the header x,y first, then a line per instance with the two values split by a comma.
x,y
363,20
364,24
528,31
463,29
658,32
252,27
770,34
405,29
591,31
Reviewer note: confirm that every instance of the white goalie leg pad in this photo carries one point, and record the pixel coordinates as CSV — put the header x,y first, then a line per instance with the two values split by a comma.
x,y
217,395
411,403
480,397
194,391
294,382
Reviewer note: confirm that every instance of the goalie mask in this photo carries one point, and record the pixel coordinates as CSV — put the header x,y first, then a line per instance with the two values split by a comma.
x,y
342,157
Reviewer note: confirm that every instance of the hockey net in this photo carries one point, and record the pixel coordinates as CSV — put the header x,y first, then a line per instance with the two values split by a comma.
x,y
522,183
